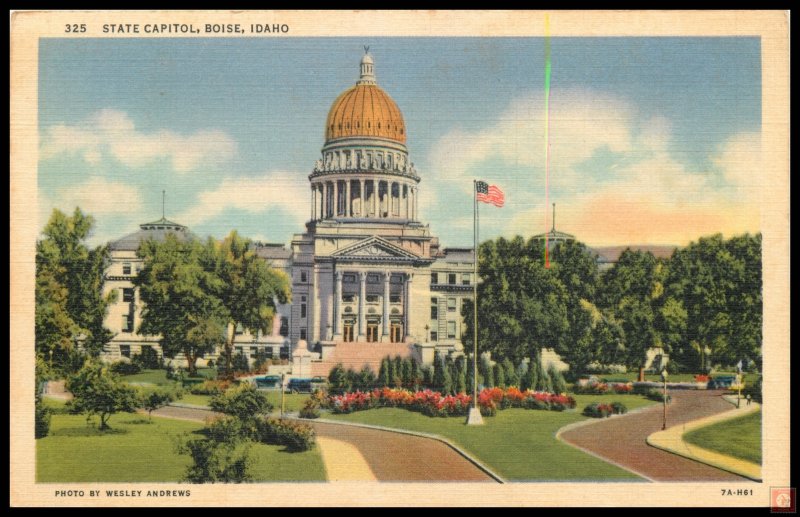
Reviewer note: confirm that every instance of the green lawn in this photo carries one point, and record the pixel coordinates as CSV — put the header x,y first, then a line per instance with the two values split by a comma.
x,y
739,437
135,450
518,444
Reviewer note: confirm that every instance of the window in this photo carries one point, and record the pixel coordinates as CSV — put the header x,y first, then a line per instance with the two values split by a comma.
x,y
395,298
127,294
373,278
284,331
303,277
467,278
239,328
434,312
451,305
127,323
126,268
302,310
451,329
138,268
125,350
434,278
434,335
302,298
372,298
451,278
348,298
253,352
349,279
302,333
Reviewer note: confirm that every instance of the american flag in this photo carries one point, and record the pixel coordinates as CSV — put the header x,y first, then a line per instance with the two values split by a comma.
x,y
490,193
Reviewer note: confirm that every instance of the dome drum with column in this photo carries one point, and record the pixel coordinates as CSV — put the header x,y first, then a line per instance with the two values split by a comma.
x,y
364,173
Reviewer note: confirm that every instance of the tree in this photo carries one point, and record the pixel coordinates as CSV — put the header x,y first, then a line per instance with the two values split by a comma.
x,y
460,378
70,304
178,296
337,380
531,379
397,372
248,290
416,375
156,399
558,384
518,314
244,402
441,375
384,375
487,371
632,290
98,391
366,379
499,375
719,286
510,373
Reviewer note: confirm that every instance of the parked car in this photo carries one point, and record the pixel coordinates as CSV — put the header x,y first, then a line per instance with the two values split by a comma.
x,y
721,382
298,385
268,381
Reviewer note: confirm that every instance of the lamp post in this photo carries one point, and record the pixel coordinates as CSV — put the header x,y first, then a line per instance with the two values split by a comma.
x,y
664,376
427,336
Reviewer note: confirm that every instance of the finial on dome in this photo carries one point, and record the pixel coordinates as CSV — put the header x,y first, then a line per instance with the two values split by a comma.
x,y
367,70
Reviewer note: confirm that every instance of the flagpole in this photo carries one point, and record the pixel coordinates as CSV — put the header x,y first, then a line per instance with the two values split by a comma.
x,y
474,417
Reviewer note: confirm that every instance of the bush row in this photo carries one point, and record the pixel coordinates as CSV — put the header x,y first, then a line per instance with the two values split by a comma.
x,y
295,436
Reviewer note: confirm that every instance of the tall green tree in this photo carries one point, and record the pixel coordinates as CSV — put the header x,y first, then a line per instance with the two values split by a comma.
x,y
719,286
519,313
177,290
633,289
70,304
248,289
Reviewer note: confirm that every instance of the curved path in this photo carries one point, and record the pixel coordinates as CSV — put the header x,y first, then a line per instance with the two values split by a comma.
x,y
389,456
622,440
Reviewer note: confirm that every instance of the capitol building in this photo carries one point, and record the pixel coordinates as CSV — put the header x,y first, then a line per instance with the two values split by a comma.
x,y
367,277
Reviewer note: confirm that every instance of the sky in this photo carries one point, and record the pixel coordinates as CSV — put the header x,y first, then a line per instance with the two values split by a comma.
x,y
652,140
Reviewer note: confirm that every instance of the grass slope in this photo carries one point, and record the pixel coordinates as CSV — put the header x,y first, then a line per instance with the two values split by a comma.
x,y
136,451
739,437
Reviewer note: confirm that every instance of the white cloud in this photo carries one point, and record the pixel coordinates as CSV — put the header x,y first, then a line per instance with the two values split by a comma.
x,y
287,191
648,197
113,133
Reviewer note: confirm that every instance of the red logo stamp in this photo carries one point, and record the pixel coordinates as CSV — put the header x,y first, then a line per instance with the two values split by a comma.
x,y
782,500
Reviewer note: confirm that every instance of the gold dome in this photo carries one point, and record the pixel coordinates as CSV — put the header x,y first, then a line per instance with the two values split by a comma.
x,y
365,110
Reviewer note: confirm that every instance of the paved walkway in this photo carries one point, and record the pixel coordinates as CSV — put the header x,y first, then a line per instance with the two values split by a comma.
x,y
623,440
373,454
672,441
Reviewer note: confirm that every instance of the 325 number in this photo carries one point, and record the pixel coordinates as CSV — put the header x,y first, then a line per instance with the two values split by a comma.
x,y
75,27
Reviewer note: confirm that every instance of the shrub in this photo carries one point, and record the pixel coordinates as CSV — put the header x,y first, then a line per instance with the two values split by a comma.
x,y
337,380
156,399
243,402
310,409
210,387
210,363
147,359
216,459
499,375
657,395
559,385
239,363
295,436
43,415
754,390
125,368
601,410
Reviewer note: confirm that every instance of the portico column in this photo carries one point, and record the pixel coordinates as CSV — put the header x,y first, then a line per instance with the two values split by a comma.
x,y
375,198
337,307
347,211
386,280
362,293
313,201
416,205
336,198
362,203
407,308
326,203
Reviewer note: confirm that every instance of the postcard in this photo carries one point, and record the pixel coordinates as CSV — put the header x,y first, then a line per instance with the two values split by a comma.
x,y
400,258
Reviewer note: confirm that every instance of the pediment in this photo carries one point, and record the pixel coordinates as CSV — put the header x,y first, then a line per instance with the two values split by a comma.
x,y
374,248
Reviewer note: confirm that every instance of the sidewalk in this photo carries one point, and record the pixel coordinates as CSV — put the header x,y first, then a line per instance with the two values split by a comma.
x,y
671,440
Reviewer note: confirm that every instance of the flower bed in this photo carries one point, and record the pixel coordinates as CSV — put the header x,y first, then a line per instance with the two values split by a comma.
x,y
601,410
601,388
433,403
